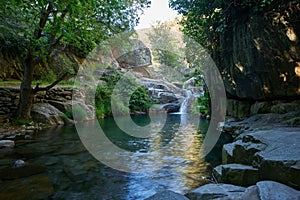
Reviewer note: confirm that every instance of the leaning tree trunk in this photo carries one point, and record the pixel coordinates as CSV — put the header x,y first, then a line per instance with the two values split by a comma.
x,y
26,90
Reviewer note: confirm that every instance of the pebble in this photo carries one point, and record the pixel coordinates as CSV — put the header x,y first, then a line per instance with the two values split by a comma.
x,y
19,163
27,137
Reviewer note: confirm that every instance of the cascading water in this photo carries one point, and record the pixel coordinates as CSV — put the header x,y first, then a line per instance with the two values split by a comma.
x,y
185,103
191,91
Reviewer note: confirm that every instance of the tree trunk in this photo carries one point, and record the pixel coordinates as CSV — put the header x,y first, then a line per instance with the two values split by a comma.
x,y
26,90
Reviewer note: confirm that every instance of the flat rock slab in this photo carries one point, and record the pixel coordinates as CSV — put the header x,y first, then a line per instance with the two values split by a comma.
x,y
167,195
280,160
276,191
281,145
263,190
274,152
216,191
236,174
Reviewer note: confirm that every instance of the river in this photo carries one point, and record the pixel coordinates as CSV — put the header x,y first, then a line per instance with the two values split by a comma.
x,y
76,174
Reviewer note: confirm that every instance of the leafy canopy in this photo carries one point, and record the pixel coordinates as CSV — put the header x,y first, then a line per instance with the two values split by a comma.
x,y
204,20
37,27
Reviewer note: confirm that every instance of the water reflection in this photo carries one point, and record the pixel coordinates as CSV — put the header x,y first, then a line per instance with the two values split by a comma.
x,y
75,174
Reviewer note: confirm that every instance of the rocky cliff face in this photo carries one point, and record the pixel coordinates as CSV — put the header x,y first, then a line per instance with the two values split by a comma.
x,y
260,57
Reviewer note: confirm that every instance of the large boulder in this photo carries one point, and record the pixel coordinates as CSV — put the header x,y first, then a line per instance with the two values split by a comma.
x,y
136,55
47,114
160,85
171,107
167,97
61,106
268,154
165,93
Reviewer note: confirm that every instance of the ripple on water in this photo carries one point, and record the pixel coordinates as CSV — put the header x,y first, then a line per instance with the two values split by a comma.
x,y
76,174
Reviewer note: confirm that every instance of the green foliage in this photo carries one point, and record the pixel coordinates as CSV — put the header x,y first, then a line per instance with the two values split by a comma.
x,y
42,28
49,77
167,49
39,26
204,20
76,110
22,122
46,31
64,117
203,104
138,100
163,44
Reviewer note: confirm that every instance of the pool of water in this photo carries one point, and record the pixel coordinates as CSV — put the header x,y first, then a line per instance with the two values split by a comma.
x,y
77,174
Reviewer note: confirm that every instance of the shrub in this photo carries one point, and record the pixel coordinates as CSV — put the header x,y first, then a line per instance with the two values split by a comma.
x,y
79,112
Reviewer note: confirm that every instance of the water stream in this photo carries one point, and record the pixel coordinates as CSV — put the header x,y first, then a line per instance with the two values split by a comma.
x,y
76,174
185,103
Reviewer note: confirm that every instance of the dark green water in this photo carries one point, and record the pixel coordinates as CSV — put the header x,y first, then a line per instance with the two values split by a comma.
x,y
76,174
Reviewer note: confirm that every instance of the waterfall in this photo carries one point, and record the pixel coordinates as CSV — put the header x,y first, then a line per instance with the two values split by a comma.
x,y
185,103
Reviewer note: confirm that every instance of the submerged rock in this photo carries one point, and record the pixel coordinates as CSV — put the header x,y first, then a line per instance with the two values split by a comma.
x,y
11,173
33,187
19,163
7,144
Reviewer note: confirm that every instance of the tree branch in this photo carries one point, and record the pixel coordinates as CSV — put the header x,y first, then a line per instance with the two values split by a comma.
x,y
38,89
43,20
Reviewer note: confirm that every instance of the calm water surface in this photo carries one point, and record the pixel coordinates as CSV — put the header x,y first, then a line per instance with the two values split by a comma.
x,y
76,174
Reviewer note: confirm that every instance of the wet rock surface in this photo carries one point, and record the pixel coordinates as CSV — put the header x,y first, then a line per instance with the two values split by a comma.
x,y
237,174
11,173
7,144
267,145
216,191
263,190
170,195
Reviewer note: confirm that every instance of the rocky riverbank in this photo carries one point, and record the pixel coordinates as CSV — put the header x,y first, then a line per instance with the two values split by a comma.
x,y
51,108
266,147
263,162
263,190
